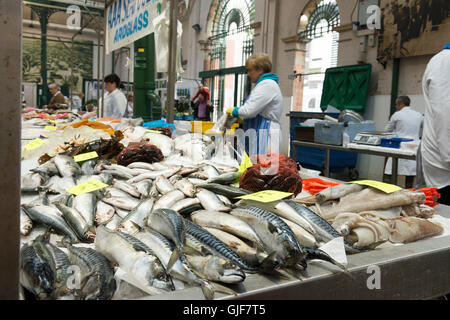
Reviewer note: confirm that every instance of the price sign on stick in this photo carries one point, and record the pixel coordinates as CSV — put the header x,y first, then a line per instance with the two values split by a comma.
x,y
266,196
85,156
86,187
385,187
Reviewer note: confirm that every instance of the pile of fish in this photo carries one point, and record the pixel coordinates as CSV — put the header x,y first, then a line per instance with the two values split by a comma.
x,y
366,216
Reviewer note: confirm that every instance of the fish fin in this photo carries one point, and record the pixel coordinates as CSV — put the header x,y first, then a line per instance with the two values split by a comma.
x,y
220,288
272,228
270,263
173,258
376,244
191,251
208,290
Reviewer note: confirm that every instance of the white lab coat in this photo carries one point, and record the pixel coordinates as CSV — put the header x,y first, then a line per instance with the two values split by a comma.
x,y
405,123
436,130
115,104
266,100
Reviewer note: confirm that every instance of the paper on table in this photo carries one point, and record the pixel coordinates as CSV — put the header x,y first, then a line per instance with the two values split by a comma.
x,y
335,249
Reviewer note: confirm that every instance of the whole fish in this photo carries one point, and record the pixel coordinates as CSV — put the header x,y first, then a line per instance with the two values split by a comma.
x,y
186,187
199,175
163,185
141,165
144,187
170,224
47,169
304,237
26,224
187,171
128,188
225,178
119,174
276,236
333,193
122,213
114,192
227,191
87,167
32,182
137,217
57,184
180,269
66,166
216,269
138,264
169,199
225,200
99,282
153,191
185,203
37,269
86,204
215,245
188,210
51,217
123,169
324,231
126,203
210,201
196,182
226,222
175,178
113,224
248,254
78,223
103,213
211,171
167,173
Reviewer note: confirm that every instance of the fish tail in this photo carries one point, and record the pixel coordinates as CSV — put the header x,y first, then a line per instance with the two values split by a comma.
x,y
207,289
173,258
220,288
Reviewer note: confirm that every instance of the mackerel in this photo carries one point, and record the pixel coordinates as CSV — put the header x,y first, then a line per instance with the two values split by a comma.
x,y
86,204
137,217
225,178
190,209
227,191
170,224
77,222
62,273
215,268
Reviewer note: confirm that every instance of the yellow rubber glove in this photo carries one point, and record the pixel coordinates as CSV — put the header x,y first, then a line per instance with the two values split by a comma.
x,y
240,120
229,111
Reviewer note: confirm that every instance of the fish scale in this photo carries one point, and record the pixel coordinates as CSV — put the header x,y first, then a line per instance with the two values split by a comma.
x,y
215,245
170,224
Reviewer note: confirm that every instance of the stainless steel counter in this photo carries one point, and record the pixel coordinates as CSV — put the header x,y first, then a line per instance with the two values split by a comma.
x,y
419,270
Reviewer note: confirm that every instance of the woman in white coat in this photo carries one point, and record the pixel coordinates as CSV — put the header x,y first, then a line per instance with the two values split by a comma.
x,y
263,108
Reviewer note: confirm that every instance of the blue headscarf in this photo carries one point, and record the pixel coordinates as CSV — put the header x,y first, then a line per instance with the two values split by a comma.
x,y
447,46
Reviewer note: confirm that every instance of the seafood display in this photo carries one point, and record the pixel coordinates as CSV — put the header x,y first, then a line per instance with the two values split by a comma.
x,y
167,217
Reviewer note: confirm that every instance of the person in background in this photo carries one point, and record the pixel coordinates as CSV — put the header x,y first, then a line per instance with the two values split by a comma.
x,y
91,112
57,97
202,90
202,109
435,147
130,104
77,101
263,108
405,123
115,101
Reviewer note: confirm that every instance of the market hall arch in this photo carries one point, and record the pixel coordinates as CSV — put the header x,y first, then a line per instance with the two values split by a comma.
x,y
229,44
315,27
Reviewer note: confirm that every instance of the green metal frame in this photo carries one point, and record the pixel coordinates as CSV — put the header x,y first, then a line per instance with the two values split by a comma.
x,y
328,12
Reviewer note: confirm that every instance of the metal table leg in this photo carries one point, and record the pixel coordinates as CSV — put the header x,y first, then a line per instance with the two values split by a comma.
x,y
327,162
394,170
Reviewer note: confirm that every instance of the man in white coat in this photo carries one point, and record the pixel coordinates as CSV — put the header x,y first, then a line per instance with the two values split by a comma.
x,y
406,123
436,131
115,101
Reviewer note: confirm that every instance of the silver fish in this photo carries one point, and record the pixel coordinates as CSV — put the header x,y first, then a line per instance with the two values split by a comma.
x,y
122,213
304,237
119,174
170,224
155,174
59,185
211,171
185,203
186,187
86,204
141,165
225,200
210,201
216,269
87,168
77,222
175,178
114,192
113,224
199,175
128,188
137,217
227,191
163,185
144,187
31,182
126,203
67,167
50,216
103,213
225,178
196,182
47,169
169,199
26,224
154,191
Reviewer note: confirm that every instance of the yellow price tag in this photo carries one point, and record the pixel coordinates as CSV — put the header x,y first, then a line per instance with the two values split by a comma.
x,y
85,156
385,187
86,187
52,121
266,196
51,128
153,131
245,163
36,143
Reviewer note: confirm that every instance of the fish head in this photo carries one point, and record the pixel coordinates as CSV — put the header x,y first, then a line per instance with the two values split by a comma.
x,y
229,272
44,277
92,288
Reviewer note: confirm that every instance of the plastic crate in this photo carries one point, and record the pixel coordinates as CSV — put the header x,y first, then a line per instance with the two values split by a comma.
x,y
393,142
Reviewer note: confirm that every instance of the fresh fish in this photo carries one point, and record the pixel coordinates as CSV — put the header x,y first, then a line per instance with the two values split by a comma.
x,y
211,171
136,263
106,178
103,213
161,167
86,204
32,182
57,184
144,187
324,231
51,217
163,185
170,224
26,224
101,165
124,169
210,201
167,173
119,174
227,191
141,165
215,245
315,253
67,167
37,269
126,203
64,198
78,223
153,191
112,192
98,282
128,188
87,168
137,217
122,213
47,169
304,237
199,175
187,171
196,182
216,269
185,203
190,209
186,187
225,178
175,178
275,235
168,200
226,222
113,224
333,193
247,253
180,269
